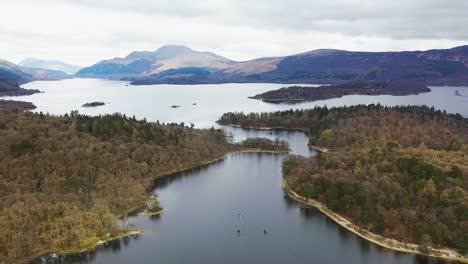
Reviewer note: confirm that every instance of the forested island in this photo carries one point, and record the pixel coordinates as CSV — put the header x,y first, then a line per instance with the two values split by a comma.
x,y
66,180
296,94
93,104
399,172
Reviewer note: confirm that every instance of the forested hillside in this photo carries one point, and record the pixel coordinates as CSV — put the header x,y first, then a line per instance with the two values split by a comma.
x,y
65,180
401,172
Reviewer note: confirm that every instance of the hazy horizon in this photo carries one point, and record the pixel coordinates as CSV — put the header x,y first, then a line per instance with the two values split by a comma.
x,y
85,32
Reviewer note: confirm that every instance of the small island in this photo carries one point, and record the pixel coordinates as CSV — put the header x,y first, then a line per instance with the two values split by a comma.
x,y
296,94
396,176
93,104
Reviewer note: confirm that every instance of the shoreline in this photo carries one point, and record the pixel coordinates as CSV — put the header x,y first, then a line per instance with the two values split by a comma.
x,y
245,150
134,211
146,213
78,251
319,149
264,128
389,243
102,242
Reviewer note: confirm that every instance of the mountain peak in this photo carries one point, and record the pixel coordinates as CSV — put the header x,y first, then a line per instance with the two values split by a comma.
x,y
171,51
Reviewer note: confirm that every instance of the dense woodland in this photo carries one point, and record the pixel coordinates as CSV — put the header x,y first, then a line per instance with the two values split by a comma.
x,y
265,144
398,171
9,87
65,180
299,93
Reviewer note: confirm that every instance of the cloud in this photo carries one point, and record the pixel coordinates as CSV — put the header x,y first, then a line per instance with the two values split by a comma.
x,y
85,31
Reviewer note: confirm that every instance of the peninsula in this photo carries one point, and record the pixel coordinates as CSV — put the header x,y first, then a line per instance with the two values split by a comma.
x,y
9,87
68,179
395,174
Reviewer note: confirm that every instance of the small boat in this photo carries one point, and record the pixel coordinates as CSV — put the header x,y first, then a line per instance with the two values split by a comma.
x,y
457,93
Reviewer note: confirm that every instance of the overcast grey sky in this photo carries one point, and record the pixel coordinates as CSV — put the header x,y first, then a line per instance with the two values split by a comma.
x,y
86,31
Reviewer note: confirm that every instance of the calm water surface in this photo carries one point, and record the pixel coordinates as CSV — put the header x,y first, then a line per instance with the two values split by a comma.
x,y
205,207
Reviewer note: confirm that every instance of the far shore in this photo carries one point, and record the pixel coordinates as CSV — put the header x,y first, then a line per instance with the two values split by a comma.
x,y
245,150
389,243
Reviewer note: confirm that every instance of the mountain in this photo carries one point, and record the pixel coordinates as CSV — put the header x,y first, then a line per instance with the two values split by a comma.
x,y
179,64
11,71
432,67
12,75
152,63
50,65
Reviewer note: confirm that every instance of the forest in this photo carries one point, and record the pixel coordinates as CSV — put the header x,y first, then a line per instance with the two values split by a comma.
x,y
9,87
66,180
297,94
401,172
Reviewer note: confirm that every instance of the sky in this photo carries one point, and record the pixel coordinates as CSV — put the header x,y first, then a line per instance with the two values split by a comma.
x,y
84,32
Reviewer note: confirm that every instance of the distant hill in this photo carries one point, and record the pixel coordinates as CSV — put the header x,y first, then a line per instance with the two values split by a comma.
x,y
153,63
55,65
24,74
179,64
11,71
11,76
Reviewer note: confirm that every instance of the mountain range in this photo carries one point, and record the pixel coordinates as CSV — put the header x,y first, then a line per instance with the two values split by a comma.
x,y
52,65
180,64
